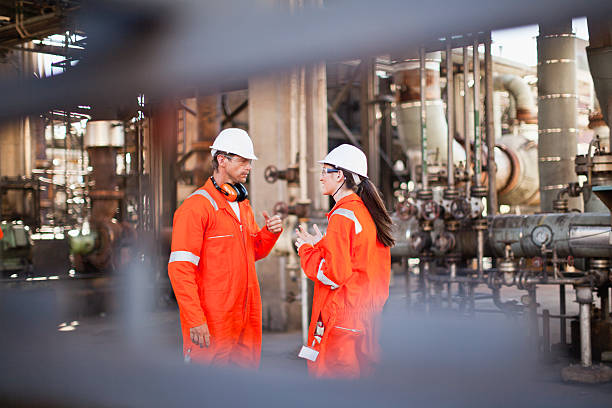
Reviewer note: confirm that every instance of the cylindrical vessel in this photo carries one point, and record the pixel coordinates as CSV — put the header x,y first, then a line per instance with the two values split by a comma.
x,y
557,111
407,80
104,133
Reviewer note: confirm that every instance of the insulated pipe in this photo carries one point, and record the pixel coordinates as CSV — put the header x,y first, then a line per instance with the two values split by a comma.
x,y
477,138
585,335
466,121
450,114
520,91
580,235
422,86
406,77
557,111
584,296
491,165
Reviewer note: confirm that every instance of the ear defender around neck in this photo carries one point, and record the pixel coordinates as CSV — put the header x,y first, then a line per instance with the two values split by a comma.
x,y
232,192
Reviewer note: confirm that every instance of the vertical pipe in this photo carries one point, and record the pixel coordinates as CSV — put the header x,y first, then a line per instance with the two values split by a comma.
x,y
370,140
562,312
585,334
422,86
466,120
546,331
450,109
489,128
453,274
406,268
480,253
477,138
139,172
533,316
605,304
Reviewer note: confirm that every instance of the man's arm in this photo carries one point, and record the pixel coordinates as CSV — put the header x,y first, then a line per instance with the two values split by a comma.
x,y
267,236
187,238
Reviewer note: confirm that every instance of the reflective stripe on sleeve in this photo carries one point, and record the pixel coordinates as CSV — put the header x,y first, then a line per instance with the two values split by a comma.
x,y
324,279
351,216
204,193
177,256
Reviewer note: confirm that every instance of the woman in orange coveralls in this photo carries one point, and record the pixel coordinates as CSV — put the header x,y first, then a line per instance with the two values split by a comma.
x,y
351,266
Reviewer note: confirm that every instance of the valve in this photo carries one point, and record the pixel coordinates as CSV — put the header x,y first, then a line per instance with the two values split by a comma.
x,y
460,209
273,174
406,210
430,210
283,209
420,241
444,242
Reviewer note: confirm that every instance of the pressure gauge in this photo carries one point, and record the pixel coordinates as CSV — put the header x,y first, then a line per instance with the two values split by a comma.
x,y
541,235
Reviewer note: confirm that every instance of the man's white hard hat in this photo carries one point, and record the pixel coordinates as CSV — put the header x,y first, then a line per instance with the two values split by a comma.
x,y
348,157
235,141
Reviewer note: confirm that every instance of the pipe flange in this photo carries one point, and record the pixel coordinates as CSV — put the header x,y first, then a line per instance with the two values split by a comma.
x,y
426,225
451,193
453,258
521,281
507,266
426,194
560,206
600,263
452,225
479,191
480,224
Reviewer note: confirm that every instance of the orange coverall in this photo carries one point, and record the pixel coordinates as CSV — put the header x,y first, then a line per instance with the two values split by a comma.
x,y
212,270
351,270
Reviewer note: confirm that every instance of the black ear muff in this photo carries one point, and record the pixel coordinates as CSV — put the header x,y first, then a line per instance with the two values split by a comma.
x,y
243,194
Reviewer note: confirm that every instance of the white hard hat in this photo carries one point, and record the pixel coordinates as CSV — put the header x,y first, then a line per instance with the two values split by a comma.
x,y
235,141
348,157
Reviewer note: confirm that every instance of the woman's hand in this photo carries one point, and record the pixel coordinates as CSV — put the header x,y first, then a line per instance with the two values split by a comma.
x,y
304,237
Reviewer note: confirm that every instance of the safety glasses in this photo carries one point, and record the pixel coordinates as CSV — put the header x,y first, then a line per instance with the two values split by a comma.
x,y
324,171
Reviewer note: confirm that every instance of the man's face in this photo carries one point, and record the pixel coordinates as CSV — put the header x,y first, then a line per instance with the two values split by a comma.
x,y
237,168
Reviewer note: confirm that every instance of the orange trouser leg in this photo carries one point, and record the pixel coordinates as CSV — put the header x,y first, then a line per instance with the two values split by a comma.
x,y
346,354
247,350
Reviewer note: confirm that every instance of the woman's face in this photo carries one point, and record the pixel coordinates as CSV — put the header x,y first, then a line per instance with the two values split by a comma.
x,y
330,179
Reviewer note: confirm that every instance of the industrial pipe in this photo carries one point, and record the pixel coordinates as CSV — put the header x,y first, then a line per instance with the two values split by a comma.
x,y
580,235
450,114
584,296
466,121
422,86
492,200
519,90
477,134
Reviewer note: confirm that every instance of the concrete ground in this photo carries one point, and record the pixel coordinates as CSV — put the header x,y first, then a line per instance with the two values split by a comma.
x,y
280,349
429,357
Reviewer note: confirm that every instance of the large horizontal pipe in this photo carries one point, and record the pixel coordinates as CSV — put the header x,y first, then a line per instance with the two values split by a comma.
x,y
580,235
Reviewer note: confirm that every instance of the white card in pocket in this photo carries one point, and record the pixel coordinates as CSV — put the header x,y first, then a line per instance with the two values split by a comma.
x,y
308,353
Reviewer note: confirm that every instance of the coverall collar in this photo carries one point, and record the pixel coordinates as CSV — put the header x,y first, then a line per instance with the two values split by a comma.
x,y
344,200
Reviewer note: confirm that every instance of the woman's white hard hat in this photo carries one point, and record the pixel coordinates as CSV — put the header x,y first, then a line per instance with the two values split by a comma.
x,y
348,157
235,141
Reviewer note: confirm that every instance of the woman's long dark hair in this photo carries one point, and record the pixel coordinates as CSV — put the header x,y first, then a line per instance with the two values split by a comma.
x,y
371,198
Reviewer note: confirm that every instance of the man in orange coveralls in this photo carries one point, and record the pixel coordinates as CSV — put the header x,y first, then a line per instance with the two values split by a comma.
x,y
215,243
351,268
